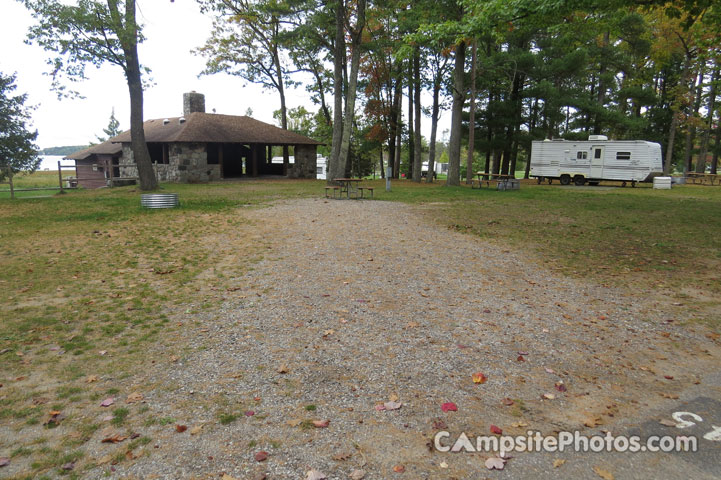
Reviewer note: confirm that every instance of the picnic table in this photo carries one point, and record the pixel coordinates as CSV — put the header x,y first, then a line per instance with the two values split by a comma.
x,y
349,186
489,177
703,178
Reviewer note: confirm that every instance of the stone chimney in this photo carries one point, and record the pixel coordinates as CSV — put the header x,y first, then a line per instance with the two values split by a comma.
x,y
193,102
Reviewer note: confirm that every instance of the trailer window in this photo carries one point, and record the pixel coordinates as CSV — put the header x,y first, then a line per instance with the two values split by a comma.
x,y
597,153
623,155
582,155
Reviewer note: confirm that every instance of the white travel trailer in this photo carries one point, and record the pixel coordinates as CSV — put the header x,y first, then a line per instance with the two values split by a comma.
x,y
321,167
440,168
594,160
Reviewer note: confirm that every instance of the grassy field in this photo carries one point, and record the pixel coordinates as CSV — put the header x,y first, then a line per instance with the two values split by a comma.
x,y
88,279
37,180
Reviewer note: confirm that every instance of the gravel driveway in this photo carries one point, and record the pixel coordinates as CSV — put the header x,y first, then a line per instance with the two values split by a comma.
x,y
361,303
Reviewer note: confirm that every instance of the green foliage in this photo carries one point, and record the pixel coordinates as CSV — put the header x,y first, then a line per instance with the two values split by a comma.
x,y
17,143
113,128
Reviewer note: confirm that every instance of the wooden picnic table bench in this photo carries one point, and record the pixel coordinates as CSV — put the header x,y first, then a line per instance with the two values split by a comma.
x,y
701,178
490,177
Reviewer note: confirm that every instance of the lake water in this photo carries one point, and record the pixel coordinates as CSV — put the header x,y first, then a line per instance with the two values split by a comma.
x,y
50,162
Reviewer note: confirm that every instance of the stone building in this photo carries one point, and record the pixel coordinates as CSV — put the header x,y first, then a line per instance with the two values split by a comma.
x,y
202,147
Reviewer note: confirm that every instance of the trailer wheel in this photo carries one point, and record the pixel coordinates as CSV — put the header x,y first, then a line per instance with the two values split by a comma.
x,y
565,179
579,180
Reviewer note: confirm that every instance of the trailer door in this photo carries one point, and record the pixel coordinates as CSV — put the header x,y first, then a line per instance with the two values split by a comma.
x,y
597,161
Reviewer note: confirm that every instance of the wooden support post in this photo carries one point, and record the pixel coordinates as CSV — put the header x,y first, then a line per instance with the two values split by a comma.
x,y
254,160
221,159
60,177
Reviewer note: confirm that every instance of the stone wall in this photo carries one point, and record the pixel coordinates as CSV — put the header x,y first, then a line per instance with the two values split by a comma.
x,y
187,163
305,162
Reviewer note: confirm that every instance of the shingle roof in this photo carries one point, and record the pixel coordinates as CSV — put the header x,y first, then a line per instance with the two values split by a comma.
x,y
211,127
105,148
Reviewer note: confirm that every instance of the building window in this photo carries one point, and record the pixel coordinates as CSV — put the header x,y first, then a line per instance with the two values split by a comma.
x,y
582,155
623,155
158,152
597,153
212,150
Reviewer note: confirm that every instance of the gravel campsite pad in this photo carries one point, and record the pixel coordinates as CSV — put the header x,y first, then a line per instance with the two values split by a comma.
x,y
367,329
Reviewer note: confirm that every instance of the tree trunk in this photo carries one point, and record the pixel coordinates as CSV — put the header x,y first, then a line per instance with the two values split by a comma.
x,y
356,39
472,116
141,155
601,99
459,94
434,128
338,55
709,120
691,132
411,140
399,125
417,161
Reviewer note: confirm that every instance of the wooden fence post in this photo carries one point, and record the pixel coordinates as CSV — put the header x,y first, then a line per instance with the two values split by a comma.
x,y
60,177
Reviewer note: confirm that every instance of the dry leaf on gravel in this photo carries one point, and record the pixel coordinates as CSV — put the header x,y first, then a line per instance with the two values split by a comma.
x,y
399,469
478,377
496,431
107,402
495,463
261,456
294,422
91,379
668,423
508,402
321,423
558,462
357,475
315,475
282,369
548,396
196,429
389,406
134,397
227,477
449,407
117,438
605,474
180,428
4,462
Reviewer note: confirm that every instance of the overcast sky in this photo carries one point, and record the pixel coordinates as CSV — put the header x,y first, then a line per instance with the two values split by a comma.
x,y
172,30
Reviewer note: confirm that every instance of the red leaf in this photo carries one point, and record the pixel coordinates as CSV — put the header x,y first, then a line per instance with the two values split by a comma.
x,y
261,456
668,377
560,387
180,428
478,377
520,359
449,407
249,413
508,402
496,430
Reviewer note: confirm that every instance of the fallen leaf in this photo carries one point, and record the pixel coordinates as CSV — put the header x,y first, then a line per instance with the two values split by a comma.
x,y
261,456
342,456
315,475
321,423
495,430
399,469
520,358
449,407
548,396
496,463
672,396
249,413
439,424
519,424
180,428
443,465
558,462
592,422
550,370
117,438
4,461
68,466
508,402
560,387
91,379
668,423
479,378
294,422
668,377
227,477
357,475
196,429
134,397
107,402
283,368
605,474
392,405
